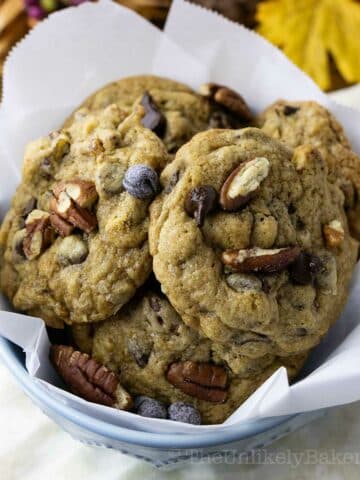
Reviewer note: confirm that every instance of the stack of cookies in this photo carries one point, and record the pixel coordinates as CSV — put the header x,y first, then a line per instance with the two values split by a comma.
x,y
185,247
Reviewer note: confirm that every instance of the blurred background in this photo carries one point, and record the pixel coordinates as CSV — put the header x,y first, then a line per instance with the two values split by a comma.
x,y
320,36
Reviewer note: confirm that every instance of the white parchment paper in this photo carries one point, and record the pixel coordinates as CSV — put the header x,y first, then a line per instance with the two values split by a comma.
x,y
76,51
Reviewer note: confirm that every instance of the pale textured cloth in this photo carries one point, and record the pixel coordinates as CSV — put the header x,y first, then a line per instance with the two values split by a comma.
x,y
32,447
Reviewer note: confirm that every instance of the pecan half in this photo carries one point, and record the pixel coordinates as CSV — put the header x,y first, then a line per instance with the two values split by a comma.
x,y
39,234
89,379
260,260
200,380
72,213
243,183
334,234
227,98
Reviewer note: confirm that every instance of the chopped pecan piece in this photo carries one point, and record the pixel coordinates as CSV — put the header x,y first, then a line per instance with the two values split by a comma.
x,y
71,202
200,380
72,213
334,234
39,234
260,260
83,193
89,379
62,227
243,183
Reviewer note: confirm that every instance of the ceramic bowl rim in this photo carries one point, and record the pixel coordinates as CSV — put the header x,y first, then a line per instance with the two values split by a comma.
x,y
115,432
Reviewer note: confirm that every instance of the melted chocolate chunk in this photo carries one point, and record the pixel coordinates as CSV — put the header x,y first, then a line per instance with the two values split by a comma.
x,y
290,110
153,119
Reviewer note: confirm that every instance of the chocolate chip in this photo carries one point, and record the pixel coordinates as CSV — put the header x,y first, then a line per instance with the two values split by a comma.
x,y
201,201
315,264
141,182
304,268
153,119
183,412
291,209
149,407
290,110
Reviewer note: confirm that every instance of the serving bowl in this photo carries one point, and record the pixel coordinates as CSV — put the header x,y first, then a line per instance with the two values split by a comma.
x,y
164,451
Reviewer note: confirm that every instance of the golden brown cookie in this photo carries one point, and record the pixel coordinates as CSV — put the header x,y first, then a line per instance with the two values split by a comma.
x,y
155,354
250,238
301,123
74,245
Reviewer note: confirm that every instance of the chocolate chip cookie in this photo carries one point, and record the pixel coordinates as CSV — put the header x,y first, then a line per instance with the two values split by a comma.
x,y
300,123
251,243
174,111
74,245
155,354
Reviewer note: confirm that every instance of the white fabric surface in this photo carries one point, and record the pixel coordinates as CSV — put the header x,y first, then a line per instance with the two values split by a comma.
x,y
34,448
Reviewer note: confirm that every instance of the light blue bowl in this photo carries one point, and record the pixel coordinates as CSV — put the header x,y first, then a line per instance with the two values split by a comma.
x,y
164,451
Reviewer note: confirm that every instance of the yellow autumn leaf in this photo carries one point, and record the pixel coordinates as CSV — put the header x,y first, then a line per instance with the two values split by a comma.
x,y
310,32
